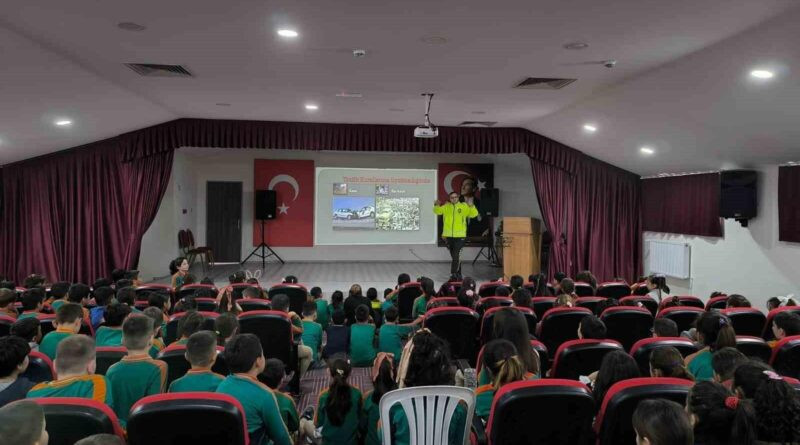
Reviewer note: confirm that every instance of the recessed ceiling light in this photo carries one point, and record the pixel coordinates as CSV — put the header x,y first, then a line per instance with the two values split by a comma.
x,y
647,150
312,107
576,45
590,128
223,104
434,40
290,33
130,26
396,110
762,74
478,112
63,122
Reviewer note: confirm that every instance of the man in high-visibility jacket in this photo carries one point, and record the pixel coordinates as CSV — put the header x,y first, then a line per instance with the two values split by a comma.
x,y
454,228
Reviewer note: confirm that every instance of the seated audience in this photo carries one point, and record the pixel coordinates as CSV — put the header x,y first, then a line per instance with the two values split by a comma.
x,y
337,336
661,422
79,294
502,291
226,327
111,333
101,439
510,324
201,353
362,339
664,327
383,381
776,302
591,327
567,289
7,299
776,403
312,331
587,277
466,297
30,330
137,375
354,300
392,335
160,301
13,362
274,372
719,417
521,297
516,282
24,413
391,298
714,332
103,296
421,302
67,323
32,303
127,295
337,301
737,300
178,268
190,323
245,360
502,365
615,367
339,407
667,361
604,304
280,303
784,324
558,277
657,288
541,289
58,292
75,365
724,362
251,292
374,306
157,317
323,311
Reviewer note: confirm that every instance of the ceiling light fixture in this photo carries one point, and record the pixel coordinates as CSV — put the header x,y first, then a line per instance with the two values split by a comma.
x,y
590,128
647,151
312,107
762,74
434,40
576,45
63,122
130,26
289,33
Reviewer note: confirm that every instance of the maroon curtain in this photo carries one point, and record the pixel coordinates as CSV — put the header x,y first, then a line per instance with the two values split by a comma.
x,y
555,191
686,204
76,215
789,203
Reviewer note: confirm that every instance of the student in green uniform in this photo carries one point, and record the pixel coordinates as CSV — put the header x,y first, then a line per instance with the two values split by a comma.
x,y
280,303
111,333
137,375
157,317
339,406
312,331
391,334
362,339
421,302
226,327
127,295
67,322
714,332
32,303
201,352
75,367
274,372
190,323
58,295
502,365
30,330
79,294
382,382
323,312
391,297
245,360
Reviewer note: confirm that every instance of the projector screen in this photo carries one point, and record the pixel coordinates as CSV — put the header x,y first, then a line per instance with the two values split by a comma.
x,y
374,206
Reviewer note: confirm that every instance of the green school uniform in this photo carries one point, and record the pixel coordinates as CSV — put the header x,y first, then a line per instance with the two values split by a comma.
x,y
299,323
347,432
700,366
27,314
370,416
57,304
323,313
197,380
390,339
134,377
420,305
50,342
402,434
260,408
312,337
93,386
484,395
156,347
106,336
288,410
362,349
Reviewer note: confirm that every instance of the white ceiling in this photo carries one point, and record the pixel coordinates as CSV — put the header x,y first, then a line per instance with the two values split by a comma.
x,y
681,84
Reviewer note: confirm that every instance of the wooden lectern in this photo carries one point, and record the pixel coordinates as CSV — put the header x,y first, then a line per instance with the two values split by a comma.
x,y
522,243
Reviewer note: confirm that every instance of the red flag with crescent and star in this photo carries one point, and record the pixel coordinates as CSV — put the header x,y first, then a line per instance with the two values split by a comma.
x,y
293,183
467,180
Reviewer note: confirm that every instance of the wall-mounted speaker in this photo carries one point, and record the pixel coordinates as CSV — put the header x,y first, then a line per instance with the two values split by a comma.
x,y
489,202
266,202
738,195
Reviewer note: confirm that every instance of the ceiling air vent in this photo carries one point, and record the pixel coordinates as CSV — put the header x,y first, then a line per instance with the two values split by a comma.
x,y
543,83
155,70
477,124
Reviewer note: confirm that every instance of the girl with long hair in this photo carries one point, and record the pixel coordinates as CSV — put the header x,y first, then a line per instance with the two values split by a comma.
x,y
383,381
339,407
714,332
502,365
667,361
719,417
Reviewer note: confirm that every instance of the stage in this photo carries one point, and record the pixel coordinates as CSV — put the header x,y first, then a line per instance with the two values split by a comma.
x,y
338,275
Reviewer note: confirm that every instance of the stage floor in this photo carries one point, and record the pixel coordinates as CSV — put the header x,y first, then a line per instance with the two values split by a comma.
x,y
337,275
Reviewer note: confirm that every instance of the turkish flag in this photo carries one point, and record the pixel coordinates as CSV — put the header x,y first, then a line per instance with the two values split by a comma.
x,y
293,182
451,178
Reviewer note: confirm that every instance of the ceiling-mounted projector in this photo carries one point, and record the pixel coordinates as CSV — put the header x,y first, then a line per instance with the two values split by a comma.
x,y
427,130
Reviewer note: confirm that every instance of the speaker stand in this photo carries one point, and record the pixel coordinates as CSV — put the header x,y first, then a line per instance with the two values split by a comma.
x,y
260,251
491,253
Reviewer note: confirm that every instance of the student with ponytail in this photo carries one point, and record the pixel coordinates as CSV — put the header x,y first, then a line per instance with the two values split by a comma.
x,y
382,382
667,361
502,365
719,417
714,332
776,405
339,407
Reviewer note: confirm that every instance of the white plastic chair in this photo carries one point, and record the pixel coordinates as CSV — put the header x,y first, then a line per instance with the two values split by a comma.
x,y
429,423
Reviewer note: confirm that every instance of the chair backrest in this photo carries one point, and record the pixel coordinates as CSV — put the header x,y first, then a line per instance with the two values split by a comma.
x,y
198,418
541,305
254,304
70,419
487,326
767,334
206,304
746,320
627,324
274,329
590,303
297,293
786,356
163,289
489,289
718,302
107,356
641,350
5,325
177,365
441,301
486,303
459,327
183,240
429,411
560,324
171,333
190,238
46,323
583,289
641,300
575,358
691,301
613,422
40,368
683,316
547,411
613,289
191,289
754,347
406,294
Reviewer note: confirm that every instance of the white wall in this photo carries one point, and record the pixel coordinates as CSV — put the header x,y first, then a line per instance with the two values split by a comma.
x,y
194,167
748,260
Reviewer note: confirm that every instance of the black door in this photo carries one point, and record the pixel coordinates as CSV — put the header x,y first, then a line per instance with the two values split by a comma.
x,y
224,220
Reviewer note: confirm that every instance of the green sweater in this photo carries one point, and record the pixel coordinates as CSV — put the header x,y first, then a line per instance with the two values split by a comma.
x,y
197,380
260,408
362,348
347,432
135,377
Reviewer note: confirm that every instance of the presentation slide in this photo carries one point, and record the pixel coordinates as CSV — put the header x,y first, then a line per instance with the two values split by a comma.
x,y
374,206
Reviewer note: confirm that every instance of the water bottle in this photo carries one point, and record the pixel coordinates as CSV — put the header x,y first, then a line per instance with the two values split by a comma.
x,y
470,378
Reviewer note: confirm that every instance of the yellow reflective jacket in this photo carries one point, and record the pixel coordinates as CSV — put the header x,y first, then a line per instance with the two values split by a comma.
x,y
454,224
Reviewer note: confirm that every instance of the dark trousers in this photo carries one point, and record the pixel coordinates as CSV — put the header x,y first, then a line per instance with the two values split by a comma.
x,y
454,246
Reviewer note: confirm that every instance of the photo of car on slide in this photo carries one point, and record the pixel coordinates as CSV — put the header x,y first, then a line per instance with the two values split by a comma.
x,y
353,213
